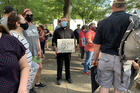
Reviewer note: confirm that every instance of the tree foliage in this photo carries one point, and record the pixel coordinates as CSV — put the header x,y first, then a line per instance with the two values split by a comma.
x,y
133,4
89,9
45,11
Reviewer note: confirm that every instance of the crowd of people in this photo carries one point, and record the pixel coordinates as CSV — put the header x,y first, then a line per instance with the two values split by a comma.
x,y
22,48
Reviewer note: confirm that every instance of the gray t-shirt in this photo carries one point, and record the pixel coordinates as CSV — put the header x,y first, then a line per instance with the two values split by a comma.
x,y
3,21
31,34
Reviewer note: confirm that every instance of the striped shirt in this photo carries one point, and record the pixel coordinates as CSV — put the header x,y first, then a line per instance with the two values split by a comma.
x,y
26,45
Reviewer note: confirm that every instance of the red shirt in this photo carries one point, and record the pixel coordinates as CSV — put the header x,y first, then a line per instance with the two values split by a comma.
x,y
82,39
89,36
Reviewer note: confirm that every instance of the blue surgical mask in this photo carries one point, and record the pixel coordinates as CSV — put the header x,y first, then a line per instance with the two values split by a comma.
x,y
63,24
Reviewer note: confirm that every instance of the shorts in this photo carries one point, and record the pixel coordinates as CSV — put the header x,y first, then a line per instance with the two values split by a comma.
x,y
109,72
34,59
33,71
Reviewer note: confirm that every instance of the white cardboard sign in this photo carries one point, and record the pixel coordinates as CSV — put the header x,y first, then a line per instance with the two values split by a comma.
x,y
65,46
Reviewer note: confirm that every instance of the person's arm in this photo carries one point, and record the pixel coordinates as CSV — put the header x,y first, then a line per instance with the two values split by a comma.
x,y
39,49
48,33
73,36
135,65
54,41
42,35
96,53
24,73
97,43
88,38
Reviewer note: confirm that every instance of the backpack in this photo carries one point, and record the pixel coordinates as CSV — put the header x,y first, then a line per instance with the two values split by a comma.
x,y
130,45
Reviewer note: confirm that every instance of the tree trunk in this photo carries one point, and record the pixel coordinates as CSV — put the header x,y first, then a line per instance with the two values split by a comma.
x,y
67,10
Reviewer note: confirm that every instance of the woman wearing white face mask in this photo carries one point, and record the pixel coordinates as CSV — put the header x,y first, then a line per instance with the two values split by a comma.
x,y
16,24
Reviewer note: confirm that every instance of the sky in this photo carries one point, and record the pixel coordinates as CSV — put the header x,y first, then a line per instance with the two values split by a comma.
x,y
111,2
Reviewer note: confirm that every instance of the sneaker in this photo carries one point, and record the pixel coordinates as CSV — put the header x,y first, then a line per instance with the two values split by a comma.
x,y
86,73
82,63
58,82
39,85
32,90
69,80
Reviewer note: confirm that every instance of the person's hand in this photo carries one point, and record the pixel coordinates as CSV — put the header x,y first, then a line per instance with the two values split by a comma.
x,y
89,42
136,65
22,90
39,55
94,63
56,52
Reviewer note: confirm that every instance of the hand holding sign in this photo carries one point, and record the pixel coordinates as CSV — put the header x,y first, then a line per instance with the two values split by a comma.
x,y
65,46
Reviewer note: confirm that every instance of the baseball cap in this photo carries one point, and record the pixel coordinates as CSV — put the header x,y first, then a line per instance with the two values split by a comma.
x,y
8,9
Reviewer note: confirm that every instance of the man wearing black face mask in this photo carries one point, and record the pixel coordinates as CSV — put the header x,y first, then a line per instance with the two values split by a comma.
x,y
31,34
62,33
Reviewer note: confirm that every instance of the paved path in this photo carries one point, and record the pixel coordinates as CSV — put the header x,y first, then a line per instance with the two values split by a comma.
x,y
81,82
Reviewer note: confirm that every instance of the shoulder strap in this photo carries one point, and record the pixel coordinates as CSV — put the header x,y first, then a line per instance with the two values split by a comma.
x,y
126,34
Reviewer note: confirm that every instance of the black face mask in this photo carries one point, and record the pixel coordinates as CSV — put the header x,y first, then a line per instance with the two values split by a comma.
x,y
29,18
24,26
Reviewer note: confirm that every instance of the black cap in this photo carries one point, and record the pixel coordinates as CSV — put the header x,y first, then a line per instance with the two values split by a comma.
x,y
8,9
78,25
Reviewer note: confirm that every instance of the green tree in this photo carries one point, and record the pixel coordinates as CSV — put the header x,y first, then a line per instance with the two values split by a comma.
x,y
45,11
89,9
133,4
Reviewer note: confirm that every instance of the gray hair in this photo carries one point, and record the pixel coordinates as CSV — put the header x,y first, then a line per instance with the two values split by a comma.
x,y
119,4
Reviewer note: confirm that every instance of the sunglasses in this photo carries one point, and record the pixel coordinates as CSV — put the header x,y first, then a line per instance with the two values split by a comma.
x,y
29,15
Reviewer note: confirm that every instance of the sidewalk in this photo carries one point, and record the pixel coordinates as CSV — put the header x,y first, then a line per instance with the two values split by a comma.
x,y
81,83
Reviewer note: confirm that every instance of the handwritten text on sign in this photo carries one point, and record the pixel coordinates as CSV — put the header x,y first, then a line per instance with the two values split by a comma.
x,y
65,46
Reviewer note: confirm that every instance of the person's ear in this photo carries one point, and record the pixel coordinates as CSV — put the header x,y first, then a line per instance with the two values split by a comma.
x,y
113,8
17,24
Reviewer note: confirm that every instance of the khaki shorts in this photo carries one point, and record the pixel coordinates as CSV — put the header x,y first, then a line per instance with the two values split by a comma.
x,y
109,72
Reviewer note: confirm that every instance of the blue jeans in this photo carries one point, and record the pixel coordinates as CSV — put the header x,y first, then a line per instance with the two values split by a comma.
x,y
42,43
88,61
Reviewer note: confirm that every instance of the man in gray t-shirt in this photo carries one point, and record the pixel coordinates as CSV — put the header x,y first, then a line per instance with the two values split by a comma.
x,y
7,11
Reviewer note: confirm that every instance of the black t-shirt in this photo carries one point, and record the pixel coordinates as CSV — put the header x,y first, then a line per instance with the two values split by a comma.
x,y
62,33
76,34
110,31
46,32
